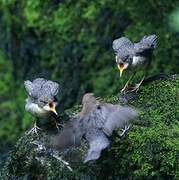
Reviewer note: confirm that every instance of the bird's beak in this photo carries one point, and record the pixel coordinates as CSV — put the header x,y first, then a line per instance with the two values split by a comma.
x,y
52,106
121,68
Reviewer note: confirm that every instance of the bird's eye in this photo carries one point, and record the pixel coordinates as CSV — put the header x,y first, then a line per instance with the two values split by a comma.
x,y
126,58
99,107
42,101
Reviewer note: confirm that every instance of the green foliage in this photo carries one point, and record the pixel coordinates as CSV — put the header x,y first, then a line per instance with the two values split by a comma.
x,y
12,104
70,42
148,151
151,149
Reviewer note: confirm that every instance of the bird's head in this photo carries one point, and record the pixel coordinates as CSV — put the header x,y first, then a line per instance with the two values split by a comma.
x,y
51,107
89,103
48,104
122,64
88,97
42,94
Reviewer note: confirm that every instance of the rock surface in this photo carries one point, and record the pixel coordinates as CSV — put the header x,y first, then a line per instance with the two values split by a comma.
x,y
150,150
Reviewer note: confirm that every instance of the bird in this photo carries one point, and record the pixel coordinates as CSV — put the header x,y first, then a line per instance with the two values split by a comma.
x,y
134,56
95,123
41,101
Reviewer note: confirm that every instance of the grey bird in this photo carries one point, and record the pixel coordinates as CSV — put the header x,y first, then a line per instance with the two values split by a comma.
x,y
134,56
96,123
41,101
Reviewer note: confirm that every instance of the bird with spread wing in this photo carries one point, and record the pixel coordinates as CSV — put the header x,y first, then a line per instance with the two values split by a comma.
x,y
134,56
96,123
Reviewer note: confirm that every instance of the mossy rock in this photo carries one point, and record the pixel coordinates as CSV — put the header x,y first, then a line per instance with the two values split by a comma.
x,y
150,150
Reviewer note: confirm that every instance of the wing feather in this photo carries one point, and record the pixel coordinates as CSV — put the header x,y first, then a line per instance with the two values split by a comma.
x,y
146,43
52,86
97,142
122,43
115,116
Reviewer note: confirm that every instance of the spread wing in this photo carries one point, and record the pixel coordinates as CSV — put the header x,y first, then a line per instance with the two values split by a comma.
x,y
69,136
38,84
146,43
33,88
53,87
39,81
97,142
122,43
29,87
111,117
150,40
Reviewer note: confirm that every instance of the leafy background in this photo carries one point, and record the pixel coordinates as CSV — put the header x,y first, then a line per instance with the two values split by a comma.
x,y
70,42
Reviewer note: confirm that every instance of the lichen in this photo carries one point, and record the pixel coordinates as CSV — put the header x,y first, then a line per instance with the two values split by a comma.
x,y
150,150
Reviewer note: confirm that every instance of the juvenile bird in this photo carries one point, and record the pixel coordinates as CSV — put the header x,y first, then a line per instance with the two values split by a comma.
x,y
41,101
96,123
134,56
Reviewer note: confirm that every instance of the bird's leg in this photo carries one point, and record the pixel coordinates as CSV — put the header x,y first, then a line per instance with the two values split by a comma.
x,y
58,124
124,130
55,119
127,83
34,129
136,88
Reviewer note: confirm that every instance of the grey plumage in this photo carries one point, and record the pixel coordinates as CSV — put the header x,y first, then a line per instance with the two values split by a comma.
x,y
42,89
41,95
96,122
125,49
134,56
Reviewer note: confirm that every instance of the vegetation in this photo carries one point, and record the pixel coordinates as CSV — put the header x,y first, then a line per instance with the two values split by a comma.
x,y
70,42
148,151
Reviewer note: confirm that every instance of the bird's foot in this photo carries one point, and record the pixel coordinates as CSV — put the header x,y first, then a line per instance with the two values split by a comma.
x,y
58,125
123,90
34,130
136,88
127,83
127,89
124,130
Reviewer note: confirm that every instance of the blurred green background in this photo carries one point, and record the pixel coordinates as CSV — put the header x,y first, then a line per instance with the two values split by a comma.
x,y
70,42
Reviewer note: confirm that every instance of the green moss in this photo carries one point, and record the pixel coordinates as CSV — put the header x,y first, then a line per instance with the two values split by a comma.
x,y
149,151
153,142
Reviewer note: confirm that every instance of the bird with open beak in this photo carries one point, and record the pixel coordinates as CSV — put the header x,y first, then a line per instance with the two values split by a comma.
x,y
134,56
96,123
41,101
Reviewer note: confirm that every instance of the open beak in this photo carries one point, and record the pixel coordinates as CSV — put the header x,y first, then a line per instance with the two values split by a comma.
x,y
121,68
52,106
